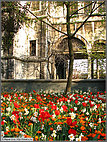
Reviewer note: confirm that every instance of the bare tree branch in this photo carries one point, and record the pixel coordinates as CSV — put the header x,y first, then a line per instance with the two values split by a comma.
x,y
86,19
81,9
70,16
41,19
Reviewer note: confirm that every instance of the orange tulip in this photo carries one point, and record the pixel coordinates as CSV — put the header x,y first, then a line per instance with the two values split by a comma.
x,y
5,133
50,123
16,129
82,128
59,122
39,132
3,117
98,137
12,130
30,124
84,138
93,135
27,136
50,139
51,129
103,134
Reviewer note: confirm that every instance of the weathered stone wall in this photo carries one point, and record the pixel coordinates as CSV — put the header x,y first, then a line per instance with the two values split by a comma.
x,y
46,37
26,70
29,85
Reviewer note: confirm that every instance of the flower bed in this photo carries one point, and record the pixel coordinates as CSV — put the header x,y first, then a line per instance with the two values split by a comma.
x,y
79,116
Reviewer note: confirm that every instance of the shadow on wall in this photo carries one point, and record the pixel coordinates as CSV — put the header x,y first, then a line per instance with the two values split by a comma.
x,y
29,85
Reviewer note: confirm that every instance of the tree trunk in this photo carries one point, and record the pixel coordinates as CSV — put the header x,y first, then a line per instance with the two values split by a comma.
x,y
71,54
70,73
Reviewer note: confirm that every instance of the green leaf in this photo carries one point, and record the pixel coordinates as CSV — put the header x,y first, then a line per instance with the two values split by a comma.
x,y
95,138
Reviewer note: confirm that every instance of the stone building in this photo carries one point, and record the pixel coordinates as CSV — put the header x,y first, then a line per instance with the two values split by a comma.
x,y
41,52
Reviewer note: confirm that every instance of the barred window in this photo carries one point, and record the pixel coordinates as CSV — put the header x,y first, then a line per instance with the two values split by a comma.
x,y
35,5
33,48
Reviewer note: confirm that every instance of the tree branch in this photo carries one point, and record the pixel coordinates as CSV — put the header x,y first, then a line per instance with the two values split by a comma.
x,y
41,19
80,9
86,19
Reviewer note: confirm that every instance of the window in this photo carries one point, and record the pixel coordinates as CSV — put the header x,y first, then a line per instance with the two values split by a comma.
x,y
33,48
74,7
35,5
102,8
59,3
88,8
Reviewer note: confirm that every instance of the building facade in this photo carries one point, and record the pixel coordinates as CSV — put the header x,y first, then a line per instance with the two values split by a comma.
x,y
41,52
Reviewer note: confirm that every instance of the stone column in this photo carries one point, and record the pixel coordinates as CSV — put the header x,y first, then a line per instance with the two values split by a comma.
x,y
92,68
93,32
97,69
89,66
53,68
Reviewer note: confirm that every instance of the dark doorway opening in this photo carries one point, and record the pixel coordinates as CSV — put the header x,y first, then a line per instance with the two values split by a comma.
x,y
60,68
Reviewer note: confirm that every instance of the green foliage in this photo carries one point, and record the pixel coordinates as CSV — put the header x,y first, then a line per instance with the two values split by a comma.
x,y
12,17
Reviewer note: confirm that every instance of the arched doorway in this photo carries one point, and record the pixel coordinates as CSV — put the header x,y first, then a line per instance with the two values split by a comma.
x,y
62,56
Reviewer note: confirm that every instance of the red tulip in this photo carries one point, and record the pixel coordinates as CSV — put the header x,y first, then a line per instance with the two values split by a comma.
x,y
16,105
72,131
91,105
77,98
71,99
34,91
90,93
54,107
84,104
2,122
64,107
81,96
98,105
41,110
15,112
51,103
57,112
65,99
5,95
16,94
84,98
19,98
76,101
44,115
72,110
74,123
36,106
75,95
69,121
39,98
